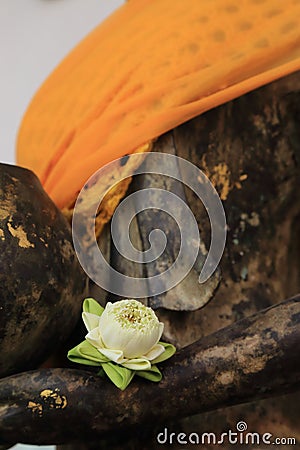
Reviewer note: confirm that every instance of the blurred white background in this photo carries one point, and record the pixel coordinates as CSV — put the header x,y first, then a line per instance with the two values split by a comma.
x,y
34,36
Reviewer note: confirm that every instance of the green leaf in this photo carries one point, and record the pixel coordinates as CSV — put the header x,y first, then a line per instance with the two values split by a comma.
x,y
120,376
85,353
91,306
153,374
169,351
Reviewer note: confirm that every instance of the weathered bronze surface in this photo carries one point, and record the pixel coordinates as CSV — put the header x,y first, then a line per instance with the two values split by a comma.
x,y
253,358
41,282
249,148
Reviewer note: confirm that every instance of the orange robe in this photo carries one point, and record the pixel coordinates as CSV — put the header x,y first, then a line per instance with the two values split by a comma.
x,y
152,65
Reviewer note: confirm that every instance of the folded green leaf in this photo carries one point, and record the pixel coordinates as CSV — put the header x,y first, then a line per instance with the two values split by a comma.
x,y
85,353
91,306
119,375
152,374
169,351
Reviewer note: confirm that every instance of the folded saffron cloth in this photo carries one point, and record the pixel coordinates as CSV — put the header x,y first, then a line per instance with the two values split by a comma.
x,y
152,65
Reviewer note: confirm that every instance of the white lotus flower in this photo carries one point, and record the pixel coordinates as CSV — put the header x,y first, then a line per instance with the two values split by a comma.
x,y
127,333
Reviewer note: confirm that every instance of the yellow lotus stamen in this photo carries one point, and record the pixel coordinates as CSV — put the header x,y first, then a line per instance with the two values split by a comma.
x,y
133,314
